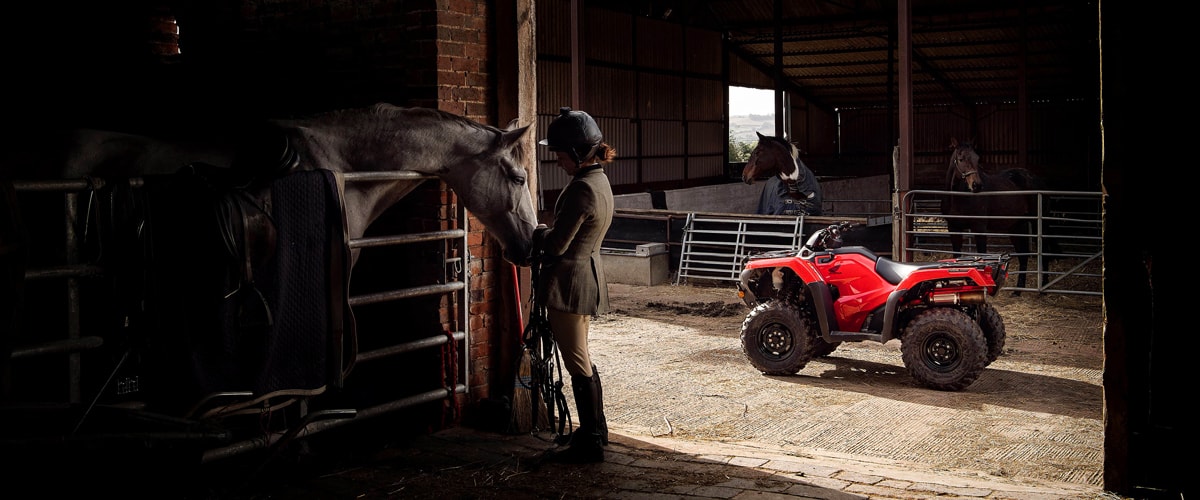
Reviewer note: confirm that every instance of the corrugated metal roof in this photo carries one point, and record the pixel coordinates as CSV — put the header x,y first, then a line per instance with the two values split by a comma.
x,y
843,54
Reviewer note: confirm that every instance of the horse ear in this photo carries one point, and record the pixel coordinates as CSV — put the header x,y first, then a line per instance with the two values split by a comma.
x,y
512,124
760,136
512,135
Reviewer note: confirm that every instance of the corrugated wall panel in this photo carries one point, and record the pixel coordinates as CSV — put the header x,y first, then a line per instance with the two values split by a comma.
x,y
705,166
660,45
609,36
609,91
703,54
555,42
662,169
865,133
800,132
648,76
934,126
620,133
553,88
705,100
660,96
705,138
655,88
932,129
820,131
996,137
743,74
662,138
622,172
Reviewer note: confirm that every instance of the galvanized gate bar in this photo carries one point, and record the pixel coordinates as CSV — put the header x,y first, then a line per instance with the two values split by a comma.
x,y
409,346
314,427
716,247
406,293
379,241
1060,218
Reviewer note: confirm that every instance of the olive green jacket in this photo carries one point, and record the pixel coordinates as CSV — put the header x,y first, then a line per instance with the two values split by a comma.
x,y
572,275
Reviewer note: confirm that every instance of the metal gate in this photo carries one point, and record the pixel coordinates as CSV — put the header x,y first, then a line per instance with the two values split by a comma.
x,y
70,350
715,248
1066,249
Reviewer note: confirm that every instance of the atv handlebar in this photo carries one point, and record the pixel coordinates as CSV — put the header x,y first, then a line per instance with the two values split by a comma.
x,y
828,237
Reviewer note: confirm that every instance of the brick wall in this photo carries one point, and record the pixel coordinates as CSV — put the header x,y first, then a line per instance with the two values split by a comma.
x,y
258,58
464,87
460,82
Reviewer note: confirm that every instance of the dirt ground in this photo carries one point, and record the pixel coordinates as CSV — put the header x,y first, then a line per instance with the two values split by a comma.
x,y
672,364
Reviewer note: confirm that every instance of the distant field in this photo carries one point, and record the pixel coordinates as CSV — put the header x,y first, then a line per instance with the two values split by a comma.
x,y
742,128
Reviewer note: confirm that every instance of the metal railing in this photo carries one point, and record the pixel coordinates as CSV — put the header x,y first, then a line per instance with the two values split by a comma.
x,y
79,195
715,248
1066,240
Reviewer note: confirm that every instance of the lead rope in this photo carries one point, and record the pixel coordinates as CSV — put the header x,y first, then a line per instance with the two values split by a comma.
x,y
451,406
539,339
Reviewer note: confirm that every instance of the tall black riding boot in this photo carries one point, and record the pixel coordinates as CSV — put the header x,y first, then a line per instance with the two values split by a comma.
x,y
600,420
585,446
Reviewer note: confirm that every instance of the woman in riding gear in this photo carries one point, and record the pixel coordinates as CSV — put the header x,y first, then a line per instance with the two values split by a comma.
x,y
572,286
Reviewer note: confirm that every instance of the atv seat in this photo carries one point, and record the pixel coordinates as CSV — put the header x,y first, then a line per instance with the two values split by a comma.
x,y
895,272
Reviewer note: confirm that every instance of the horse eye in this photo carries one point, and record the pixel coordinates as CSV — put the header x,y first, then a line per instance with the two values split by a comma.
x,y
517,176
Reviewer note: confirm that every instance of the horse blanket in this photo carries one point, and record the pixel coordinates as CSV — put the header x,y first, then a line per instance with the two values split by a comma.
x,y
776,199
247,289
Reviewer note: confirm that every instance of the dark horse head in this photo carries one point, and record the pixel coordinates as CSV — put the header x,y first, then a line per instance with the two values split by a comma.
x,y
779,158
964,174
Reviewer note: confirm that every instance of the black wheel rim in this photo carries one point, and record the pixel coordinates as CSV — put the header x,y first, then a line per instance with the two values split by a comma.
x,y
775,341
942,352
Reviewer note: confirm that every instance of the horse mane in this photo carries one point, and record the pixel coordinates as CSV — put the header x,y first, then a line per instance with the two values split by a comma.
x,y
793,150
387,115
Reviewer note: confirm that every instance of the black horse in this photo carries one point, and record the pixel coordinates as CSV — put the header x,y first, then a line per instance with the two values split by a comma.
x,y
1013,215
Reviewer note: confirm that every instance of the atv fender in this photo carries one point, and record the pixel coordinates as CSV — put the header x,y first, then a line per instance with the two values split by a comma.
x,y
823,303
822,299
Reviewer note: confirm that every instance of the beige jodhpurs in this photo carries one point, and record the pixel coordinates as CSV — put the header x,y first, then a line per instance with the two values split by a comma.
x,y
571,333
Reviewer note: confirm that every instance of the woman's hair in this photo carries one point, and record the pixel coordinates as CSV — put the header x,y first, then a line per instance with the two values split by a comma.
x,y
605,153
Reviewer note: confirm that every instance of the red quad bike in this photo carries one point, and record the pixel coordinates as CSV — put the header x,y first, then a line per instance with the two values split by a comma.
x,y
804,304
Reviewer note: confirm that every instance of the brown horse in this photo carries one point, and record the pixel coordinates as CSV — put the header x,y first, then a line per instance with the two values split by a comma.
x,y
791,189
991,214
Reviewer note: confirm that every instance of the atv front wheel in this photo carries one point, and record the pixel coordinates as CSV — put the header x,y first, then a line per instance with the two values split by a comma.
x,y
993,330
776,337
944,349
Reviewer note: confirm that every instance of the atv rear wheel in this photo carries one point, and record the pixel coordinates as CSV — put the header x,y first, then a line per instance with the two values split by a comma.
x,y
777,337
944,349
993,330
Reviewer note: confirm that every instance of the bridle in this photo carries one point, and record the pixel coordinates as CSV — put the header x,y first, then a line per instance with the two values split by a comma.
x,y
960,156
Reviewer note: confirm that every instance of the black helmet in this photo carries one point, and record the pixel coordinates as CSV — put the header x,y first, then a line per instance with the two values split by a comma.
x,y
573,131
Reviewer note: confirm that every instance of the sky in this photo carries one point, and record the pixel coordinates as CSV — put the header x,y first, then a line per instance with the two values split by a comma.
x,y
746,101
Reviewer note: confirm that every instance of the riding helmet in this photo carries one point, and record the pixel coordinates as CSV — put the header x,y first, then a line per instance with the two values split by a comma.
x,y
572,131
